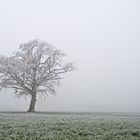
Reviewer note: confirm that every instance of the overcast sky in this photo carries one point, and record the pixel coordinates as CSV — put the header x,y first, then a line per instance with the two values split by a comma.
x,y
101,36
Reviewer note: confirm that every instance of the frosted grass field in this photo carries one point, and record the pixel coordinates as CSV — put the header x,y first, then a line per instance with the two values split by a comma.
x,y
69,126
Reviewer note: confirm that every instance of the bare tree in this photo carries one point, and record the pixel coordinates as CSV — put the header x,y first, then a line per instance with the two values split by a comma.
x,y
36,68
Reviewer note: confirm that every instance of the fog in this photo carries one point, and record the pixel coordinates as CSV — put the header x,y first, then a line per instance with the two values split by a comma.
x,y
100,36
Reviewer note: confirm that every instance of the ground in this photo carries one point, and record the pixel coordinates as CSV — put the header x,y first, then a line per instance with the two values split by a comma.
x,y
69,126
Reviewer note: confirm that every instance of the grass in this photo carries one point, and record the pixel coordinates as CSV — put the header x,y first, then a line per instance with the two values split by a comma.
x,y
69,126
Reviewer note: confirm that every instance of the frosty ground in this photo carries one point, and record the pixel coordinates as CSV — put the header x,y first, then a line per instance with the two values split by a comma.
x,y
69,126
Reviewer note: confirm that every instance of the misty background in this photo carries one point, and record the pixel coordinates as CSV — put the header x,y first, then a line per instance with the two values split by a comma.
x,y
101,36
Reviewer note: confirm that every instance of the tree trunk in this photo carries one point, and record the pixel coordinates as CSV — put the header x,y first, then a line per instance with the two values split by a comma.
x,y
32,103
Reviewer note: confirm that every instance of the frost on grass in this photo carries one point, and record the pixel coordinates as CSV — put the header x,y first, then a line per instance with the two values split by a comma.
x,y
69,126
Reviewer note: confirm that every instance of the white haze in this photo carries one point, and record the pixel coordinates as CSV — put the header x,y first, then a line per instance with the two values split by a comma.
x,y
101,36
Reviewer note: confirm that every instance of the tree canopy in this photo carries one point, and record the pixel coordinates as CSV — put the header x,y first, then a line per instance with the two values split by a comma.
x,y
36,68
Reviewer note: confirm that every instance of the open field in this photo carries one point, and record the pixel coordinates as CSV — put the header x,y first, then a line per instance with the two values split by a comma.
x,y
69,126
